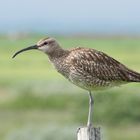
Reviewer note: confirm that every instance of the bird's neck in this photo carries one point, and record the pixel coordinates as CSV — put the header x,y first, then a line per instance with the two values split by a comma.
x,y
58,58
57,53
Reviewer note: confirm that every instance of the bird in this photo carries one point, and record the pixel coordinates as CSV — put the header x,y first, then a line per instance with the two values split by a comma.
x,y
87,68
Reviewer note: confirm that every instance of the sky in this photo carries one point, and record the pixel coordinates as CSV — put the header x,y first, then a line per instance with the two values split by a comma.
x,y
70,16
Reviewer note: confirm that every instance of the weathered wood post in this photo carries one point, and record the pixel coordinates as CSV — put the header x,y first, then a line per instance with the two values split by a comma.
x,y
89,133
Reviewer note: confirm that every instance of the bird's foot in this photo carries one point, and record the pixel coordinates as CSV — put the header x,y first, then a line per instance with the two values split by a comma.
x,y
89,126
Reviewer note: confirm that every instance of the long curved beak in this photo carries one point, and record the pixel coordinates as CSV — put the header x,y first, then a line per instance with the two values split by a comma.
x,y
25,49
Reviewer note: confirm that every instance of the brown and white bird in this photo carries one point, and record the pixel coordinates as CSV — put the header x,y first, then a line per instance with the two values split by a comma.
x,y
87,68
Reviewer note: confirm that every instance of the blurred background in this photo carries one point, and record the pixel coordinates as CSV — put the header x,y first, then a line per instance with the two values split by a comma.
x,y
38,103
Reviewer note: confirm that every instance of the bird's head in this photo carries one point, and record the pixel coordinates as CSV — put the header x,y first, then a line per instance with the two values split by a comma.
x,y
47,45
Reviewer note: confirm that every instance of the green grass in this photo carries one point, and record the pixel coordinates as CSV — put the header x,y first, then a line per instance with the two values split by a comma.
x,y
35,101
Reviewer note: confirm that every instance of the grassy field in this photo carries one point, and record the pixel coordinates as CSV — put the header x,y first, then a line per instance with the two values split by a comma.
x,y
36,101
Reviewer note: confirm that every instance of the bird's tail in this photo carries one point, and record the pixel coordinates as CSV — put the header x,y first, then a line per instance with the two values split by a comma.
x,y
133,76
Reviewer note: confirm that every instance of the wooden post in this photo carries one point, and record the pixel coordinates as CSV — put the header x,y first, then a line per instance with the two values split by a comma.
x,y
89,133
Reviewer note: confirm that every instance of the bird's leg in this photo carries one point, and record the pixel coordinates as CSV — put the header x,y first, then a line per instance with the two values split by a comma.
x,y
90,115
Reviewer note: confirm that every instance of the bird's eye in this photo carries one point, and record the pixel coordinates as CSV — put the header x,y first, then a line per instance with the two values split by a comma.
x,y
45,43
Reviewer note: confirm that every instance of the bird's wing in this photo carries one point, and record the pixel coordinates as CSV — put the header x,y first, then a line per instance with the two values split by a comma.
x,y
98,64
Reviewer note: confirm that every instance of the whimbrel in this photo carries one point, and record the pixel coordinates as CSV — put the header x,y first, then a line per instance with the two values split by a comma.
x,y
87,68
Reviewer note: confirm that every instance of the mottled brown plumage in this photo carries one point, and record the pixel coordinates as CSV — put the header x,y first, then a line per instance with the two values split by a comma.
x,y
91,69
87,68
